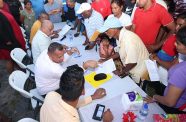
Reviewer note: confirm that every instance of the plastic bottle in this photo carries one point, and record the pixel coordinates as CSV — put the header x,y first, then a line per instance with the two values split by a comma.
x,y
71,37
143,112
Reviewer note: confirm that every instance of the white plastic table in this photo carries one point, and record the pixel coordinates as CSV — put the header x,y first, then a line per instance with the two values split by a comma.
x,y
114,87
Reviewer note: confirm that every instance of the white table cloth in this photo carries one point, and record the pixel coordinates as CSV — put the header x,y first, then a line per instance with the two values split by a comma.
x,y
114,87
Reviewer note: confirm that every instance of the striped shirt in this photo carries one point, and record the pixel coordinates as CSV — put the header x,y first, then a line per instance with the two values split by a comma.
x,y
93,23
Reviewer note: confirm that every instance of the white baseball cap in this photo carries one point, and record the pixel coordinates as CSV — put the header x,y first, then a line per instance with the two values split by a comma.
x,y
83,7
111,22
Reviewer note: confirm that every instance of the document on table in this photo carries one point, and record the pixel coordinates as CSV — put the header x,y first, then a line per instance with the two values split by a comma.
x,y
106,67
152,69
64,30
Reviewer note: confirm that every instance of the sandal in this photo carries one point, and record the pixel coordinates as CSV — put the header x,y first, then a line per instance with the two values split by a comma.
x,y
85,43
89,47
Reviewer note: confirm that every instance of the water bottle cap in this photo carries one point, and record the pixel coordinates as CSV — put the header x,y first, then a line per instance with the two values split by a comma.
x,y
145,106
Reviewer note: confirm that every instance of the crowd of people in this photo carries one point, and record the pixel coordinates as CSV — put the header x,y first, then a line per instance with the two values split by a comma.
x,y
130,31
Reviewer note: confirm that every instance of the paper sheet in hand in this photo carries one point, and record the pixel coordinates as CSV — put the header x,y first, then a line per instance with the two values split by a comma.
x,y
106,67
90,79
153,70
64,30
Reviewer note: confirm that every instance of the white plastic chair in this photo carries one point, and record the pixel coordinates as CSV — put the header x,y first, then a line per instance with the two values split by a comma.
x,y
17,54
17,81
27,120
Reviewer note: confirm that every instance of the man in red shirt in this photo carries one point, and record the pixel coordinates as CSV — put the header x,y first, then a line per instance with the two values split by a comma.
x,y
148,18
102,6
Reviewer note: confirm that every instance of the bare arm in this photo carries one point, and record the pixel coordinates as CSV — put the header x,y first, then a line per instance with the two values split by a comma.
x,y
153,48
128,67
171,27
55,11
128,27
171,98
125,70
22,18
133,28
77,22
162,36
115,56
164,64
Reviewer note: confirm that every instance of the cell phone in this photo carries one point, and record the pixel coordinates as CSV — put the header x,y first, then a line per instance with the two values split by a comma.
x,y
98,112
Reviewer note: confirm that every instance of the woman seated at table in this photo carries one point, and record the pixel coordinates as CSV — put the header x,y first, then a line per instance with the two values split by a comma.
x,y
172,97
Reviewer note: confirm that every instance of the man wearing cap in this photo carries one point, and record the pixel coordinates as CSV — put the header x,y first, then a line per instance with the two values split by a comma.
x,y
93,21
130,49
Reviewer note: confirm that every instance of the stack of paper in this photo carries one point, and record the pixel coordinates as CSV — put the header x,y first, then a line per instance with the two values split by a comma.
x,y
106,67
152,69
64,30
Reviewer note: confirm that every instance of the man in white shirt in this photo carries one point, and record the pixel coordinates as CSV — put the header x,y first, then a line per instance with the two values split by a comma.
x,y
48,68
63,107
93,21
42,39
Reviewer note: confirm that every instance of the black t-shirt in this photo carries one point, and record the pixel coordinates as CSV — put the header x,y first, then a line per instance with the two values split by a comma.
x,y
81,1
70,14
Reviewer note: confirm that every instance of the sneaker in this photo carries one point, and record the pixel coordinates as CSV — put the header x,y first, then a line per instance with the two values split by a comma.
x,y
76,34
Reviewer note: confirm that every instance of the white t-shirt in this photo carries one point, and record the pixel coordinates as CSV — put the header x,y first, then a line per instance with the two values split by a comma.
x,y
40,42
93,23
47,73
124,19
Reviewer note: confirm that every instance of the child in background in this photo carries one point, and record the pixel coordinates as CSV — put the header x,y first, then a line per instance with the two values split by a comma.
x,y
168,51
27,17
106,50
